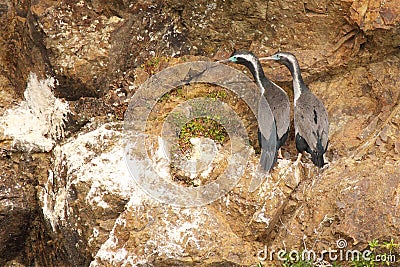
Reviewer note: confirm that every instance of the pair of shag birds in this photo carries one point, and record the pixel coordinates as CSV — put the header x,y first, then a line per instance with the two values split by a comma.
x,y
310,117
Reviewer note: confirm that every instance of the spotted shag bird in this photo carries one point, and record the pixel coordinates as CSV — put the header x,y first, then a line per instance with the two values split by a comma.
x,y
276,96
311,124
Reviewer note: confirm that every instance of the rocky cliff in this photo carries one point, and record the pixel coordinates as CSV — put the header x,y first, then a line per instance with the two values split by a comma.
x,y
69,70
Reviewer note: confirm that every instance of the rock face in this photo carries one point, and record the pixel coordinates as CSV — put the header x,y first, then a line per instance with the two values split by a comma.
x,y
68,72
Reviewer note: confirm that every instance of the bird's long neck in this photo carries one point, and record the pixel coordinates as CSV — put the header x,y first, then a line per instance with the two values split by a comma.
x,y
298,83
258,74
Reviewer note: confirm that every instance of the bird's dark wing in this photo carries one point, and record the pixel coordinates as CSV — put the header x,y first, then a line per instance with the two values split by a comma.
x,y
311,121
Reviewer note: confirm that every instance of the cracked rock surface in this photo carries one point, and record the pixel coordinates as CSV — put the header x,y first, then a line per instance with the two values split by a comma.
x,y
68,71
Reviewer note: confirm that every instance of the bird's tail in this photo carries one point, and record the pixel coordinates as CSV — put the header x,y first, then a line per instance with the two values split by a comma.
x,y
268,159
318,159
269,150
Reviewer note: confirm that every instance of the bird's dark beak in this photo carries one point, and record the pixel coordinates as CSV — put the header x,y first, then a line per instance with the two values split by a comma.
x,y
269,58
223,61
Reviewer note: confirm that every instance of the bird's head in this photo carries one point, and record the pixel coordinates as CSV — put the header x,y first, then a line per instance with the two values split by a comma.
x,y
241,57
247,59
287,59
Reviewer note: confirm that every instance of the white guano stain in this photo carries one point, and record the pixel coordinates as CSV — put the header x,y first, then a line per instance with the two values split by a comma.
x,y
38,121
94,159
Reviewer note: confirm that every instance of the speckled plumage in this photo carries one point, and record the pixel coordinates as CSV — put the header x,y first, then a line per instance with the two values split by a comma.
x,y
275,96
310,117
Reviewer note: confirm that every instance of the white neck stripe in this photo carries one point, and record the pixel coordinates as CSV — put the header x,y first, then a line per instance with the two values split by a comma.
x,y
257,70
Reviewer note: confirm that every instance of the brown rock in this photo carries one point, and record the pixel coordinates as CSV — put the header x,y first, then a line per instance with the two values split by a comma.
x,y
100,52
78,42
371,15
